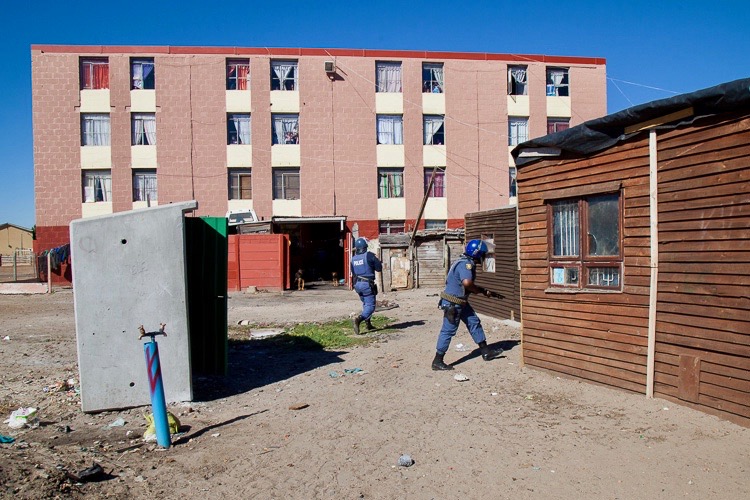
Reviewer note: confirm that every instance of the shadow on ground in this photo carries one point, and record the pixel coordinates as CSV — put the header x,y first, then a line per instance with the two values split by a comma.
x,y
505,345
258,363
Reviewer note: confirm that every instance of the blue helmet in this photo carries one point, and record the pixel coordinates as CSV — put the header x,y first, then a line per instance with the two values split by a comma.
x,y
360,245
476,249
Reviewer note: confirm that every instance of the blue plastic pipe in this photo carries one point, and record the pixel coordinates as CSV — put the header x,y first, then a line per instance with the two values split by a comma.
x,y
156,386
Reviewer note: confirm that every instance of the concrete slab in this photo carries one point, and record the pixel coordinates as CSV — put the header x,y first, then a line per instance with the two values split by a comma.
x,y
22,288
129,270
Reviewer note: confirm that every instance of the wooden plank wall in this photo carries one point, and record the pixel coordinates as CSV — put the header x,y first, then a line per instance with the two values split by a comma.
x,y
431,263
703,310
259,260
600,336
506,278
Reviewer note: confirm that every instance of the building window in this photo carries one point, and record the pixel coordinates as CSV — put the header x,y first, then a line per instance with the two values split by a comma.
x,y
557,82
95,130
95,73
238,128
488,264
240,184
518,80
390,183
285,129
391,226
144,185
237,73
284,75
512,184
390,129
518,130
387,77
437,190
586,242
142,73
97,185
434,129
557,124
286,184
432,78
436,224
143,127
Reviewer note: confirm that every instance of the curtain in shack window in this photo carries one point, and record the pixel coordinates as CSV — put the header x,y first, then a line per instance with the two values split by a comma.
x,y
565,229
390,129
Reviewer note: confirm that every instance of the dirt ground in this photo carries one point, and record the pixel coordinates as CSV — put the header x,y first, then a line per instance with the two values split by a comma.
x,y
506,432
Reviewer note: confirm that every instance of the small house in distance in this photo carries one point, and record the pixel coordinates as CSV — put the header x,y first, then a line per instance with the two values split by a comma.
x,y
635,250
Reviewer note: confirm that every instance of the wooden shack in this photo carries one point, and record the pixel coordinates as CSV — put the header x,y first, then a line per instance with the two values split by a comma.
x,y
500,271
635,250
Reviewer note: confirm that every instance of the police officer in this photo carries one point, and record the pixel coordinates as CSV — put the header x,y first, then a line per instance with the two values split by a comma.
x,y
456,308
364,264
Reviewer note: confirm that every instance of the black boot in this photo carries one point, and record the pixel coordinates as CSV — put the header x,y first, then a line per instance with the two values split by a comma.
x,y
487,353
439,364
369,325
355,322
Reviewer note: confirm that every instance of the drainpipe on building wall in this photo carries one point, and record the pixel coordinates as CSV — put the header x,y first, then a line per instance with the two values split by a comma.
x,y
654,237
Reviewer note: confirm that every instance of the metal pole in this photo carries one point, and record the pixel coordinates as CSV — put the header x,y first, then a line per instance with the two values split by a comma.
x,y
156,387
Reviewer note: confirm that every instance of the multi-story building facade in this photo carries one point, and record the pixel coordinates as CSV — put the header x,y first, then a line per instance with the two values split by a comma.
x,y
353,138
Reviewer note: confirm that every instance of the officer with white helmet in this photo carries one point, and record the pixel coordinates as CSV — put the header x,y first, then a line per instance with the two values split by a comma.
x,y
453,301
364,264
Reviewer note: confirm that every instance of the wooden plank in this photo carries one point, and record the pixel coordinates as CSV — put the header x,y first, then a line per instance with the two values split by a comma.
x,y
606,379
688,380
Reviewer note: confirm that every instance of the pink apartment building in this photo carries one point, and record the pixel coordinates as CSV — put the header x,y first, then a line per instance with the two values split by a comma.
x,y
323,143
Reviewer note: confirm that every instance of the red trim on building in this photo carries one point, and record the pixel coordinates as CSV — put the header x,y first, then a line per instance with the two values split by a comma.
x,y
292,52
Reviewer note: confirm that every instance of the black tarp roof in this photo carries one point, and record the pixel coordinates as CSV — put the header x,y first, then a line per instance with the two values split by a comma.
x,y
601,133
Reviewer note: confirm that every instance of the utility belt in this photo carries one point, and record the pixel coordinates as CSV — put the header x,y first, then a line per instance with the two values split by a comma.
x,y
454,299
362,278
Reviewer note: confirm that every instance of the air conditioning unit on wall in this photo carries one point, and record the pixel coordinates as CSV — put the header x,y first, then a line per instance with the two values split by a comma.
x,y
330,66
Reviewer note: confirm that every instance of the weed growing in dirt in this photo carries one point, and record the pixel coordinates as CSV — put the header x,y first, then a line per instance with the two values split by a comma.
x,y
329,335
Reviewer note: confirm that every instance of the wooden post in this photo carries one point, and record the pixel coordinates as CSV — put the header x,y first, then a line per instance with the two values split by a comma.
x,y
654,237
49,272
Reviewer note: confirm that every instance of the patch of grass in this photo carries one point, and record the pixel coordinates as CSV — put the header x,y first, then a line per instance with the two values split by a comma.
x,y
329,335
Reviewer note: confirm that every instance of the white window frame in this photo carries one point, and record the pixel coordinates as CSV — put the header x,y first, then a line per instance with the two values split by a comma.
x,y
390,129
145,134
288,81
137,81
232,76
518,130
561,87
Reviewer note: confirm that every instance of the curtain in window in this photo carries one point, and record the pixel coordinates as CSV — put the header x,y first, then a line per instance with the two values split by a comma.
x,y
285,130
242,126
391,184
432,125
390,129
388,77
517,81
141,71
149,127
97,187
519,131
566,229
283,70
237,76
556,76
96,130
438,183
144,187
101,76
437,73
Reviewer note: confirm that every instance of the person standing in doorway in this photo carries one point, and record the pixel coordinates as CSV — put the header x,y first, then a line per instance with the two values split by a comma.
x,y
364,265
456,308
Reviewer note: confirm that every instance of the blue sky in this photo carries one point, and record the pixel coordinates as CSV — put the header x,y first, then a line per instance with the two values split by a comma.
x,y
654,49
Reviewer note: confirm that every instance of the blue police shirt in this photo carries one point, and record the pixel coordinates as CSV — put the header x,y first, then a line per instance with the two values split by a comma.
x,y
365,264
463,269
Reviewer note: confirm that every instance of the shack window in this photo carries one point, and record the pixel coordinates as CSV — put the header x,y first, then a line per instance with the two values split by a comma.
x,y
586,242
488,265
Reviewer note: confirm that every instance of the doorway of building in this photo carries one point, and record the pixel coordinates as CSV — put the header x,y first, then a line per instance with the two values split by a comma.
x,y
317,248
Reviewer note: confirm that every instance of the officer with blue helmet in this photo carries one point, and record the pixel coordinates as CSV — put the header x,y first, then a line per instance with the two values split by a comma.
x,y
364,264
453,301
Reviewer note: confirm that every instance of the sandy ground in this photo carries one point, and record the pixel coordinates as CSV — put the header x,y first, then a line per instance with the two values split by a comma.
x,y
506,432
